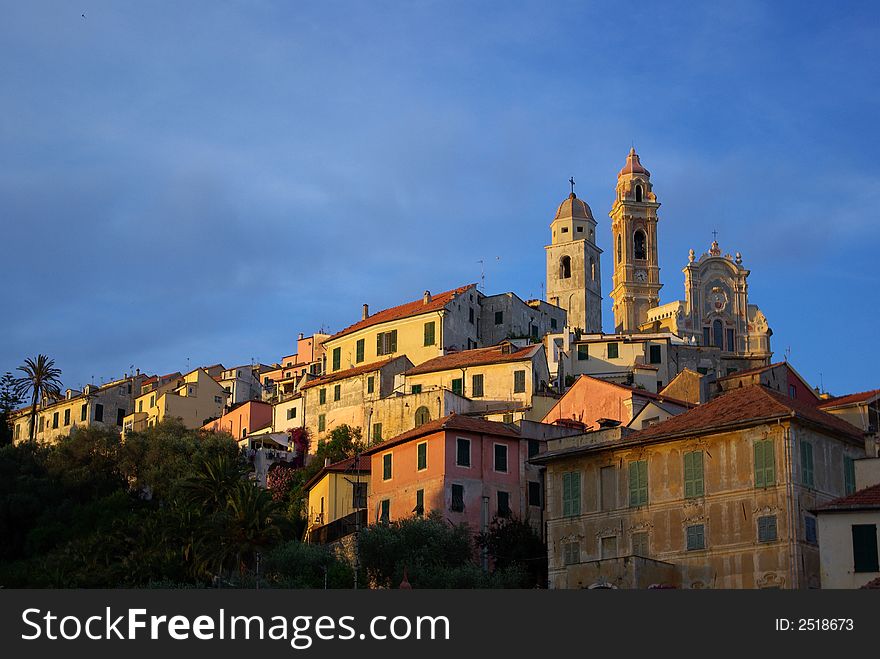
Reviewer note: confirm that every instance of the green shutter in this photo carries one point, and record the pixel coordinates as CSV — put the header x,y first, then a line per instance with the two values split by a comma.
x,y
566,494
359,353
429,334
337,358
380,348
393,341
638,483
769,464
422,450
693,474
576,493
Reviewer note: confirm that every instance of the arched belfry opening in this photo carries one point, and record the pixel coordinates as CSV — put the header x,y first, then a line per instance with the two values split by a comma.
x,y
565,267
639,193
640,245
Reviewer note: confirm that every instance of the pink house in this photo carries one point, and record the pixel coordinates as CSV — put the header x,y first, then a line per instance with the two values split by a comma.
x,y
240,421
469,469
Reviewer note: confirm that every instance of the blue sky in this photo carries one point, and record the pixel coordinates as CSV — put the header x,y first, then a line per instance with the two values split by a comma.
x,y
202,181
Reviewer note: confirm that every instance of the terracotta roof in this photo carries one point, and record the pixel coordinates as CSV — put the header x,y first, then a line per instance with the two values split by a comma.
x,y
872,584
747,405
750,371
849,399
413,308
451,422
866,499
474,357
348,373
348,465
633,165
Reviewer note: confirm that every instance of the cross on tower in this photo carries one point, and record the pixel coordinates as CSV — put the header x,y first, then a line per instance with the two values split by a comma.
x,y
571,180
714,234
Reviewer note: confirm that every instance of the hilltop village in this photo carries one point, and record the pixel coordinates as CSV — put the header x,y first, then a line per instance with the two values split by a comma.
x,y
674,452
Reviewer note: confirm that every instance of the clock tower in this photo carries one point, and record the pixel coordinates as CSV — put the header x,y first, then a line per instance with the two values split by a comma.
x,y
636,282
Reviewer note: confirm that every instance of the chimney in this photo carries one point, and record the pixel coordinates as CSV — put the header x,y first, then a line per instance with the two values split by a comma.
x,y
300,337
427,297
327,460
366,312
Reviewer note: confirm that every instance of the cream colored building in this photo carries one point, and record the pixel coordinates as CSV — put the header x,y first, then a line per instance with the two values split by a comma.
x,y
717,497
337,494
863,411
104,406
193,398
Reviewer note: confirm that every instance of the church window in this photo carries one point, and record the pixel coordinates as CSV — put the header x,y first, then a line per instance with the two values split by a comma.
x,y
638,193
718,333
565,267
619,248
731,346
580,229
640,250
705,336
592,269
564,230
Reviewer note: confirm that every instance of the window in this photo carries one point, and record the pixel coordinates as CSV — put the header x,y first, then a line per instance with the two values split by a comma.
x,y
422,456
571,494
359,351
655,356
640,249
613,350
571,553
810,534
534,446
619,250
765,463
419,510
370,384
580,229
553,324
140,406
430,338
507,418
463,452
385,511
608,488
358,495
337,358
499,317
792,391
718,333
693,474
386,467
608,547
640,544
565,267
457,387
702,370
42,424
67,417
807,463
583,352
503,504
864,537
731,346
696,537
638,193
322,396
457,503
849,475
592,269
55,420
534,493
120,415
377,432
386,342
501,458
337,392
638,483
519,382
218,400
99,412
563,230
477,386
84,412
415,389
706,336
471,315
322,422
423,415
767,528
291,413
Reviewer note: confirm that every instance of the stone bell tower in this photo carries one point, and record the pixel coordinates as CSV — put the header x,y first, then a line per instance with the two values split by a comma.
x,y
636,283
573,274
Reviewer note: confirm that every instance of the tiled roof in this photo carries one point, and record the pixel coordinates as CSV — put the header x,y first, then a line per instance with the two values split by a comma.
x,y
750,371
849,399
348,465
872,584
474,357
743,406
404,311
348,373
451,422
866,499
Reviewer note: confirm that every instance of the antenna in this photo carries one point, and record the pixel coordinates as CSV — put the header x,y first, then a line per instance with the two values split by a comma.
x,y
482,275
788,353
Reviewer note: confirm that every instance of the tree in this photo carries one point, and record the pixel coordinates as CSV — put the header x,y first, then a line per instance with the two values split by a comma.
x,y
514,546
41,379
9,400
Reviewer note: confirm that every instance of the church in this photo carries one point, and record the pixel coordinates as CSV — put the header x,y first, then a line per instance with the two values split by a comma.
x,y
714,314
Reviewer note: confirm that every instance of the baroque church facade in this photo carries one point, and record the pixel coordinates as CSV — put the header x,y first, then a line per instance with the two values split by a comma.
x,y
715,312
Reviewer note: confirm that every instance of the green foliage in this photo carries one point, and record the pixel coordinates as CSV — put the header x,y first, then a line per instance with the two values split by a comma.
x,y
299,565
517,551
40,380
9,401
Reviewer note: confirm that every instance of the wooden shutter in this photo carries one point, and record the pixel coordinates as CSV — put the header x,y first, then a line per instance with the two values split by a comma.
x,y
393,346
759,464
380,346
566,494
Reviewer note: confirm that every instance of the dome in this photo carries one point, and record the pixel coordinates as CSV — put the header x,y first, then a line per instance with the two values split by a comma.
x,y
633,166
574,207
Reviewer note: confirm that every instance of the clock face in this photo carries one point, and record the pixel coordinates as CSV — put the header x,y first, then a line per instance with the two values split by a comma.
x,y
641,275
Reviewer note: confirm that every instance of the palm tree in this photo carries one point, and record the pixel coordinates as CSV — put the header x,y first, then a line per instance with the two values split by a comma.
x,y
41,379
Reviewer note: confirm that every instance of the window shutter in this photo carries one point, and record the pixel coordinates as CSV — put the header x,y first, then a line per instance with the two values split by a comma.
x,y
633,484
393,341
576,493
688,475
643,481
769,463
566,495
379,346
759,464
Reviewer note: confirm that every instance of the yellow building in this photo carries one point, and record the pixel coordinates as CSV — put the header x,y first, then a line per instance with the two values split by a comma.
x,y
105,406
193,398
716,497
863,411
337,494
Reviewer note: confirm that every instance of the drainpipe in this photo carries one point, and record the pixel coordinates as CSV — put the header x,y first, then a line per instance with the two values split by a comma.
x,y
787,441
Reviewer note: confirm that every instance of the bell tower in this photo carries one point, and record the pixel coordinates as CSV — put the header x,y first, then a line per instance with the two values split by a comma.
x,y
573,274
636,283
